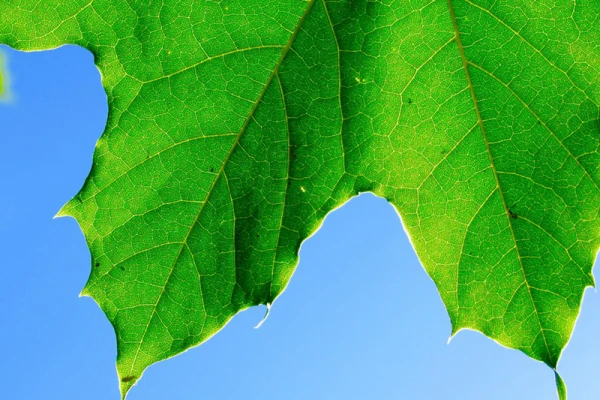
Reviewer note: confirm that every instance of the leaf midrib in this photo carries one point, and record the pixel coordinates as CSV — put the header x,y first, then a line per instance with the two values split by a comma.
x,y
465,64
284,53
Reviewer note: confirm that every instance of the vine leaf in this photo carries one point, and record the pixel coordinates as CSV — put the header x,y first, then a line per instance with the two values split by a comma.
x,y
235,126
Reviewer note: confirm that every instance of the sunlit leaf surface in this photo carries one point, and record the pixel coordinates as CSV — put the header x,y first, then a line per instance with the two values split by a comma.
x,y
235,126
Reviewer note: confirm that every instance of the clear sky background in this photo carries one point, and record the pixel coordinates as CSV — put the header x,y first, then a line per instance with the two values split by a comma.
x,y
359,320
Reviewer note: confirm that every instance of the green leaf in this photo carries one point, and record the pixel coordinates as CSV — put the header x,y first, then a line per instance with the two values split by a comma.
x,y
560,386
3,79
235,126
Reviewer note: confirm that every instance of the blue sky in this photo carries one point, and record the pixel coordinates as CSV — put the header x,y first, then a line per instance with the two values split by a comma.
x,y
359,320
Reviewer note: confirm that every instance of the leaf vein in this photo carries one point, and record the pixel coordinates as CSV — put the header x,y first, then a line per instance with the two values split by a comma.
x,y
465,63
234,145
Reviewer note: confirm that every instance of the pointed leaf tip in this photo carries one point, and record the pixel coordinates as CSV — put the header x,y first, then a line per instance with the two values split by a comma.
x,y
126,383
63,212
561,388
267,312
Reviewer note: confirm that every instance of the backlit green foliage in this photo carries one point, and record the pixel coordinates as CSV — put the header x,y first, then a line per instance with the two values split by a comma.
x,y
3,87
235,126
